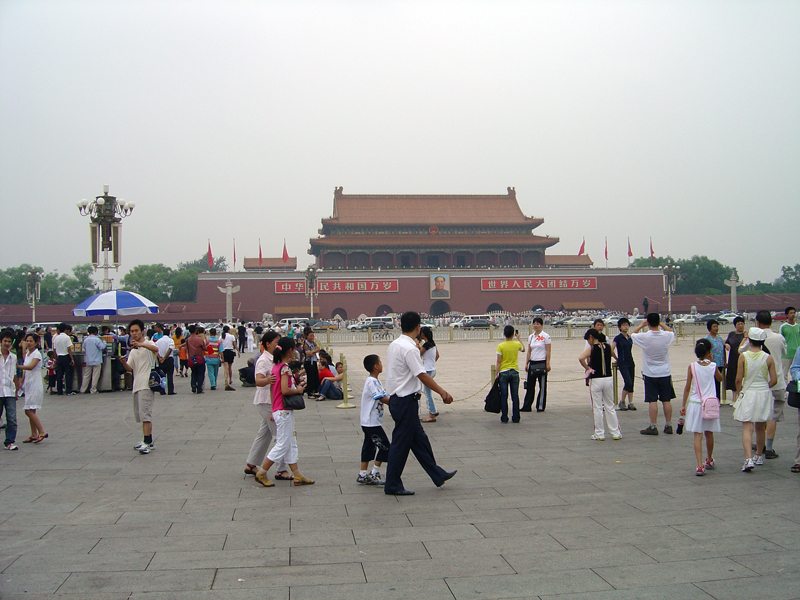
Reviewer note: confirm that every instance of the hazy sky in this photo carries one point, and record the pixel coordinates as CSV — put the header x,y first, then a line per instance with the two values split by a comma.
x,y
222,119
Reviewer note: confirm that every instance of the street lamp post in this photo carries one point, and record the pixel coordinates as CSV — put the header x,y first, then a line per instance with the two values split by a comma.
x,y
670,281
311,285
33,291
106,213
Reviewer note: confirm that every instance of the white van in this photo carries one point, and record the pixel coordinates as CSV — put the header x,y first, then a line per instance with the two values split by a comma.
x,y
288,324
376,322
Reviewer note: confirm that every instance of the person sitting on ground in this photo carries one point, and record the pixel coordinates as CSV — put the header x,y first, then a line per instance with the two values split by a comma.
x,y
247,375
331,385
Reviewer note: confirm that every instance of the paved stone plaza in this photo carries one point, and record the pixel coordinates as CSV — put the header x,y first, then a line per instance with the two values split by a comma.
x,y
537,510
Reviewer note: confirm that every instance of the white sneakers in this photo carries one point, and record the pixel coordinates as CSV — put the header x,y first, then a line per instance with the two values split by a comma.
x,y
749,465
143,448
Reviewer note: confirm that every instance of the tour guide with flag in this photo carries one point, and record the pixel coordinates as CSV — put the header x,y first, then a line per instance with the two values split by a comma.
x,y
404,372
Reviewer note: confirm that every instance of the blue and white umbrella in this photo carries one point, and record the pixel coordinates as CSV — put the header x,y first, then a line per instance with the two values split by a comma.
x,y
115,302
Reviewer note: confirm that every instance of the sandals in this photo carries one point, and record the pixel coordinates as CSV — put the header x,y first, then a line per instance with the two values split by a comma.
x,y
284,476
29,440
41,437
261,477
429,420
248,470
302,480
795,468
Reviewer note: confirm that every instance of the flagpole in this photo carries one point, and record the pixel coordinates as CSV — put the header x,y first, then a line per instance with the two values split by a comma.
x,y
606,252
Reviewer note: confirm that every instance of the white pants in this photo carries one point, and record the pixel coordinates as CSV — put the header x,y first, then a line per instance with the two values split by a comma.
x,y
266,433
285,447
91,375
602,394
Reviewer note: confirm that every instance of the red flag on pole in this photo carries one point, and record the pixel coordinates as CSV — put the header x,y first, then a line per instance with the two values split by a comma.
x,y
606,248
630,252
652,254
583,247
210,258
259,252
285,253
234,254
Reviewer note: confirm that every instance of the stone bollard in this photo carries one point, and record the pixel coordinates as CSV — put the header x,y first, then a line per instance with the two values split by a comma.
x,y
345,386
569,331
493,374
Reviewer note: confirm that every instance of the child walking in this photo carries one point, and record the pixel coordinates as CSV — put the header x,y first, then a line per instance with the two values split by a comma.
x,y
372,400
50,365
700,378
34,390
285,447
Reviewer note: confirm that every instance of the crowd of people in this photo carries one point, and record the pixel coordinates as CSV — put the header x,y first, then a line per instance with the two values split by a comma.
x,y
758,366
755,364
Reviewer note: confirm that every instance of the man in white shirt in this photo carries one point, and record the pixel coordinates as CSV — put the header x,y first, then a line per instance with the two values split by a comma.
x,y
93,350
141,359
9,385
537,366
65,364
405,375
166,345
656,369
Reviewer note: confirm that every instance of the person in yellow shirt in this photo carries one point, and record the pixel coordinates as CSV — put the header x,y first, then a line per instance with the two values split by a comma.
x,y
508,372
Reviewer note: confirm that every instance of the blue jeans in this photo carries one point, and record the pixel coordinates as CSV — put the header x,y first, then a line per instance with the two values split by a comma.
x,y
429,394
509,380
9,405
329,390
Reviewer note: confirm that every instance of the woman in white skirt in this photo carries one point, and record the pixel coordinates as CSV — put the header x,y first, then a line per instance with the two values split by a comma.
x,y
754,376
700,379
34,390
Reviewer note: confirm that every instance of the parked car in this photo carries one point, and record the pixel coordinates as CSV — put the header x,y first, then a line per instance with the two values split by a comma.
x,y
477,324
322,325
364,325
727,317
711,317
687,319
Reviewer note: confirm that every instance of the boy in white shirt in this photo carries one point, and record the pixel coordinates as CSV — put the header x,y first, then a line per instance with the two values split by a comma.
x,y
372,400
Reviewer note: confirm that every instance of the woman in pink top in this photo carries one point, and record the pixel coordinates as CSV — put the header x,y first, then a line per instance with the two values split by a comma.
x,y
285,444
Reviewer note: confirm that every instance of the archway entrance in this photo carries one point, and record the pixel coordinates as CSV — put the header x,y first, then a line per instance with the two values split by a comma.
x,y
439,308
383,310
340,313
494,307
537,308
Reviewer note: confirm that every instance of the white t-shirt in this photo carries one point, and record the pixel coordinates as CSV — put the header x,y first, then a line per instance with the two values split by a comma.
x,y
165,346
429,359
61,344
403,364
655,351
227,342
371,406
264,367
538,345
140,360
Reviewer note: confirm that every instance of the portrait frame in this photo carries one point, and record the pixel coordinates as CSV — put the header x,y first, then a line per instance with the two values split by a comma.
x,y
443,291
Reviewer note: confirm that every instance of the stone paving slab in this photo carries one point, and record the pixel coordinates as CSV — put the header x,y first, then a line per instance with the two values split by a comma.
x,y
537,510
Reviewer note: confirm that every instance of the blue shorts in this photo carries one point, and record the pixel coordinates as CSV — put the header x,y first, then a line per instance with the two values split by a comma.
x,y
658,388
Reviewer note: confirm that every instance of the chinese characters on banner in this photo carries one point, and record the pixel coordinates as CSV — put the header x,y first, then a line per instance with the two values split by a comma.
x,y
339,286
538,283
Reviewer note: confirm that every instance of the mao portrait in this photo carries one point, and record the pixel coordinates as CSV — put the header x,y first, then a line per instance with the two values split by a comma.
x,y
440,286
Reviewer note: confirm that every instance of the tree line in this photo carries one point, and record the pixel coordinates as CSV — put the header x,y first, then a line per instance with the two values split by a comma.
x,y
158,283
705,276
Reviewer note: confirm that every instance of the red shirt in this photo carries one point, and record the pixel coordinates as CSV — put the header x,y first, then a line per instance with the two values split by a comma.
x,y
326,372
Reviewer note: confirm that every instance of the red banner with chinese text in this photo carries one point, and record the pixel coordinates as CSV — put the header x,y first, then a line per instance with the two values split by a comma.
x,y
497,284
337,286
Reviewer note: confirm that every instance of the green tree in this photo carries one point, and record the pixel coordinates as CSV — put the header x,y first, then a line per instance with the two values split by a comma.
x,y
697,275
154,282
79,286
789,281
201,264
184,285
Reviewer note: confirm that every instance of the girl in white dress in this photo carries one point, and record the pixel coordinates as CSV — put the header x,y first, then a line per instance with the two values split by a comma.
x,y
700,384
251,339
754,376
34,390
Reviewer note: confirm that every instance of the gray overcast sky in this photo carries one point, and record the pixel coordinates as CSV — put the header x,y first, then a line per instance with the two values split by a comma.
x,y
221,119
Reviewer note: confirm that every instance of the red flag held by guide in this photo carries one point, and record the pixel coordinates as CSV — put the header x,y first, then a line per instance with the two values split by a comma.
x,y
285,253
583,247
630,252
259,252
210,258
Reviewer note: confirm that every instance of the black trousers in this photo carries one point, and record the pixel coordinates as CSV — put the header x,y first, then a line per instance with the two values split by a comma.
x,y
368,447
64,370
408,435
168,366
535,367
242,343
312,377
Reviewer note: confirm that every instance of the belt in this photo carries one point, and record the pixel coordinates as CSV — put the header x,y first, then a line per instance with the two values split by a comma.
x,y
415,396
